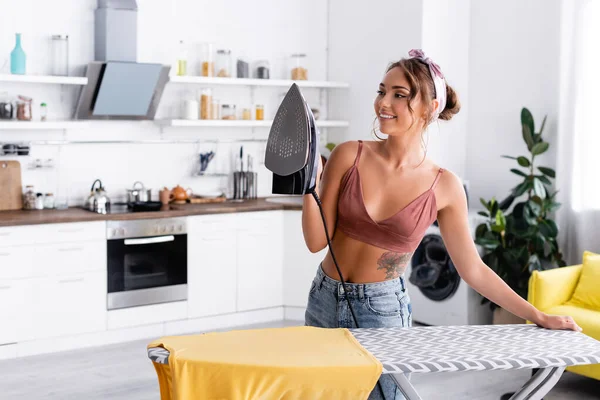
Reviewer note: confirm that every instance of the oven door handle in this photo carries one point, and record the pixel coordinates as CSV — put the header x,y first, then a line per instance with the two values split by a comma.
x,y
158,239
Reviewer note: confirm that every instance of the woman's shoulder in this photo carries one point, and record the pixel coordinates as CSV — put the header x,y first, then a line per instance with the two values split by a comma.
x,y
449,187
345,153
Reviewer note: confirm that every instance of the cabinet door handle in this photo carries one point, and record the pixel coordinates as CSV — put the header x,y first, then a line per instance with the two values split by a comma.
x,y
158,239
4,233
71,249
71,280
5,287
70,230
4,254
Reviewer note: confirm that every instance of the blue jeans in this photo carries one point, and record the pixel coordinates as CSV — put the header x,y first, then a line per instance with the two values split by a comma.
x,y
376,305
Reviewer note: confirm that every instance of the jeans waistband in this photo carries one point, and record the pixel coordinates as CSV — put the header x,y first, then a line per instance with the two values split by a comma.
x,y
359,289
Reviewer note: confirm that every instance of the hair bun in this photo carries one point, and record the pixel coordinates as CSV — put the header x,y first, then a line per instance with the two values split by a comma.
x,y
452,105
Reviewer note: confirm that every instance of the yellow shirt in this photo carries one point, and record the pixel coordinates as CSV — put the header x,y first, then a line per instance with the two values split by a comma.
x,y
276,363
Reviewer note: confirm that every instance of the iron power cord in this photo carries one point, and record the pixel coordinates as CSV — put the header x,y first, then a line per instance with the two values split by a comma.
x,y
318,200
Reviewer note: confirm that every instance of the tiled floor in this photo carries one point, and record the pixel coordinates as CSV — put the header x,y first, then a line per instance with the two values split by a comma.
x,y
123,372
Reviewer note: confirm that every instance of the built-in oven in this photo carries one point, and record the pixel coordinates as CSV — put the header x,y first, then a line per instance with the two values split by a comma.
x,y
147,262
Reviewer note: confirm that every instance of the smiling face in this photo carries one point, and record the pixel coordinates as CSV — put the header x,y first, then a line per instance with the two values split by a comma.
x,y
392,105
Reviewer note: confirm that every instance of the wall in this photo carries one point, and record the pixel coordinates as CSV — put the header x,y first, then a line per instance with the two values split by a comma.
x,y
514,63
267,29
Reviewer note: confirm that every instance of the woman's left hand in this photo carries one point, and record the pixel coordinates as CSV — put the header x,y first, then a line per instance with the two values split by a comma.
x,y
558,322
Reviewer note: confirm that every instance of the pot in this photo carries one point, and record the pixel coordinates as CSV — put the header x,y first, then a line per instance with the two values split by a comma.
x,y
138,194
180,194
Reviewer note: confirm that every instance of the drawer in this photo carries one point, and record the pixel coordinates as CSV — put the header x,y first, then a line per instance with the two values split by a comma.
x,y
207,224
17,235
15,311
71,232
15,262
67,258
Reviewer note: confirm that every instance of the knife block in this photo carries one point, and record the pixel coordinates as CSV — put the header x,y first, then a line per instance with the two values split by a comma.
x,y
244,185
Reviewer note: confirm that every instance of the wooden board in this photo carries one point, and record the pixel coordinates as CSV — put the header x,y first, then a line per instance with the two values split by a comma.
x,y
11,192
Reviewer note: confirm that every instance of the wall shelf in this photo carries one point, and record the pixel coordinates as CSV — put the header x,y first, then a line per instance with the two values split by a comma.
x,y
46,79
40,125
210,81
211,123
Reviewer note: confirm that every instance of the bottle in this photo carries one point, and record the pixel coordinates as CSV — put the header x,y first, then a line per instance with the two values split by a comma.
x,y
43,111
39,201
182,60
49,201
60,55
18,58
260,112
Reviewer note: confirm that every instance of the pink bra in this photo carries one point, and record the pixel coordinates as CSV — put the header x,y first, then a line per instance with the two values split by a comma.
x,y
400,233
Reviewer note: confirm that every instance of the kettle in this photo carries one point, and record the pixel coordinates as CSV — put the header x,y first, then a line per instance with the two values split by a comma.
x,y
98,201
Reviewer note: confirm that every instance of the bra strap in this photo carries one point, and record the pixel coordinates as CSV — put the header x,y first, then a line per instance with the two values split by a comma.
x,y
437,178
360,144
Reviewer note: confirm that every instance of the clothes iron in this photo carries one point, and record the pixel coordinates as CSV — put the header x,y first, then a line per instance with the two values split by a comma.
x,y
292,148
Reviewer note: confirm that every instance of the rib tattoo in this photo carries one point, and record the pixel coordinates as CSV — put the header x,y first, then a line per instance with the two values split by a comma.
x,y
394,264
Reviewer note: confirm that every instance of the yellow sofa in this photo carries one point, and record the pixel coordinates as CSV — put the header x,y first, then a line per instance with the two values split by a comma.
x,y
573,291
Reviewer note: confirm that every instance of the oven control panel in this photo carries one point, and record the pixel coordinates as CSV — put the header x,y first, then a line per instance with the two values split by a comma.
x,y
145,228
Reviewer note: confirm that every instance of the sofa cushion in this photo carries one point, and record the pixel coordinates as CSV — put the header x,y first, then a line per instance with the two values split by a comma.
x,y
587,291
588,320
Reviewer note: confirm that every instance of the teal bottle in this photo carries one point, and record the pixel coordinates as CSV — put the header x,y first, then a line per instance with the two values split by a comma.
x,y
17,58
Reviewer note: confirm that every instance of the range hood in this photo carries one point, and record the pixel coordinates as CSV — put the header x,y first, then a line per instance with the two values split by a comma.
x,y
120,88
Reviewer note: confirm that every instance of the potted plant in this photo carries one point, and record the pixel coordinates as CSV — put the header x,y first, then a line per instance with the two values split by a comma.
x,y
519,235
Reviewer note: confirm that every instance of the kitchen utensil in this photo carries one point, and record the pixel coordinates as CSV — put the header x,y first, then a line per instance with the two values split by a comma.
x,y
205,158
164,196
98,200
180,195
138,194
11,192
139,206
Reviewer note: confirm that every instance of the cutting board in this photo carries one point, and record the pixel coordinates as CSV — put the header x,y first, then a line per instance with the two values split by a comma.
x,y
11,192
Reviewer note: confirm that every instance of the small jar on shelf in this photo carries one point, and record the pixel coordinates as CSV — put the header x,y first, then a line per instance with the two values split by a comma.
x,y
228,111
299,72
260,112
223,63
43,111
60,55
24,108
182,59
49,201
246,114
262,70
208,60
216,109
206,104
39,201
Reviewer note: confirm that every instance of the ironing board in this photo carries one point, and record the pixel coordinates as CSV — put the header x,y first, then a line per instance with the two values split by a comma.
x,y
471,348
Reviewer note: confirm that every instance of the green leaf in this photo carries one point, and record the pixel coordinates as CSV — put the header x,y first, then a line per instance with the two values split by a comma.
x,y
481,230
538,188
547,171
494,209
522,188
483,214
543,125
554,206
523,161
553,228
528,127
485,203
518,172
511,157
539,148
544,179
528,137
501,220
489,244
506,203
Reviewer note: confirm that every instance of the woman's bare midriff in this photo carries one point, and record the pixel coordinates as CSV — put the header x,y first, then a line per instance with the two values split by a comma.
x,y
363,263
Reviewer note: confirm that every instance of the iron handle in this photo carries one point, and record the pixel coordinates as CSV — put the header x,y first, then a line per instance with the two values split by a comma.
x,y
159,239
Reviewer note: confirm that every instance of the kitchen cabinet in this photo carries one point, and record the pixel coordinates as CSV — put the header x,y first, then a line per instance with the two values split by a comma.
x,y
212,265
299,264
14,310
70,304
260,260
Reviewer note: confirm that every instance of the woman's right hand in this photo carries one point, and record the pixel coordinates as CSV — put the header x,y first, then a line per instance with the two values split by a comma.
x,y
319,172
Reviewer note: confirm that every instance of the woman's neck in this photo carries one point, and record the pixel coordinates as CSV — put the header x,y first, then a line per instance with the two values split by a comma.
x,y
403,151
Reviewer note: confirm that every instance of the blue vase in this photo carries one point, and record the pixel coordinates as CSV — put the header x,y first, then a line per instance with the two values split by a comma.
x,y
17,58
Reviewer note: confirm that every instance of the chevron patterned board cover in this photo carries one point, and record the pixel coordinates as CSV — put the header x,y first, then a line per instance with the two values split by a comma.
x,y
467,348
476,348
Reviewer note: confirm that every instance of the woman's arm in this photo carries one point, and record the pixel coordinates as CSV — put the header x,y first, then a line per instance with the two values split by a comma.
x,y
454,227
327,188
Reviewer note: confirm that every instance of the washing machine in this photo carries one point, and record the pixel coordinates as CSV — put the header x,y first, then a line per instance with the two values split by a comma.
x,y
438,294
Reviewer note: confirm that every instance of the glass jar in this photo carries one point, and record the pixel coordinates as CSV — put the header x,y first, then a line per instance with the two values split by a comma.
x,y
260,112
39,201
246,114
299,72
6,106
182,59
228,111
216,109
29,198
24,108
60,55
223,63
243,68
206,103
262,70
49,200
43,111
208,60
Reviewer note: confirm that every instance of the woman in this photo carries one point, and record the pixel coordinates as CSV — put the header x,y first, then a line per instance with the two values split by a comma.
x,y
378,198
